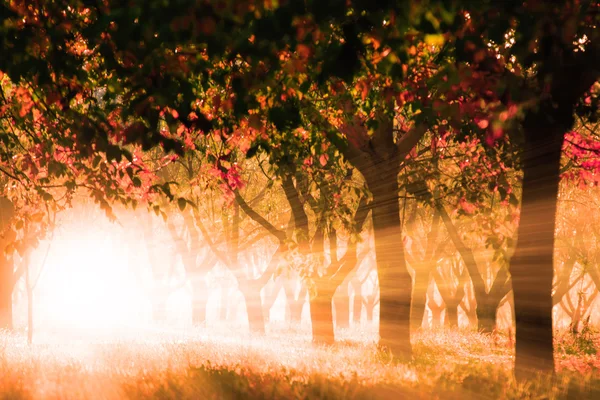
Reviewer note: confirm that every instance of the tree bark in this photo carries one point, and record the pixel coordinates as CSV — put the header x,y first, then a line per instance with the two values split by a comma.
x,y
341,302
531,266
294,306
471,313
436,314
270,296
486,316
6,289
395,283
419,297
452,315
254,309
370,308
357,303
321,317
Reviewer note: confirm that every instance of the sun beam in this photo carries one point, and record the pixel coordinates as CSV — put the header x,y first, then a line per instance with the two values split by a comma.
x,y
87,283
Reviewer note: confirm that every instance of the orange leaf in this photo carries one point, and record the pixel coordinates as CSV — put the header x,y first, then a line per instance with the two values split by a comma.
x,y
323,159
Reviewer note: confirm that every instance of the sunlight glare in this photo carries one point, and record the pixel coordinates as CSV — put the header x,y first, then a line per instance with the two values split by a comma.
x,y
87,283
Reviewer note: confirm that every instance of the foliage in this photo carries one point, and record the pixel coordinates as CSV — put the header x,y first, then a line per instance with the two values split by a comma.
x,y
583,342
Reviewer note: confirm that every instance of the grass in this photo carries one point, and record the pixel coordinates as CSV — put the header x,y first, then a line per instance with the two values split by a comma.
x,y
203,365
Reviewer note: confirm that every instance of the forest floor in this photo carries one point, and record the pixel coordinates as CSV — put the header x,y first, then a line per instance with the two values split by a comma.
x,y
447,365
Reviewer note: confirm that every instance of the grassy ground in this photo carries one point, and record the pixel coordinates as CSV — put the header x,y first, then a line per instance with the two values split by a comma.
x,y
447,365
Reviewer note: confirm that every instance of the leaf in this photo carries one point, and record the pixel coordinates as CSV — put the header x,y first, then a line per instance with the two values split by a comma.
x,y
113,153
96,161
127,154
435,39
323,159
252,150
286,117
37,217
502,192
181,203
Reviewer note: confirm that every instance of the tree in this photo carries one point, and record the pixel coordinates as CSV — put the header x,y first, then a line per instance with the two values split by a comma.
x,y
7,279
197,260
31,282
452,293
423,265
124,77
550,63
488,300
235,68
328,282
328,210
22,226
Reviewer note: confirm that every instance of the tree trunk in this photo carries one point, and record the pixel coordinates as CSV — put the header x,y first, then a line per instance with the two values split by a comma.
x,y
486,316
296,308
6,288
436,316
342,308
395,283
271,292
370,308
321,317
419,297
254,309
199,300
357,304
531,266
452,315
295,305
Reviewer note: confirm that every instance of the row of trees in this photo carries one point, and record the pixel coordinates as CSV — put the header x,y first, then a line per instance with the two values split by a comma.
x,y
446,291
346,105
450,258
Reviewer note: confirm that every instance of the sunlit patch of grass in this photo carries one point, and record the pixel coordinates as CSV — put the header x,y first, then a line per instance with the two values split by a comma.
x,y
579,351
448,364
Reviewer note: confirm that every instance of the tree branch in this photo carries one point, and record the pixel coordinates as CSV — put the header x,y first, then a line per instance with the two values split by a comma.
x,y
279,234
220,255
300,217
465,252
